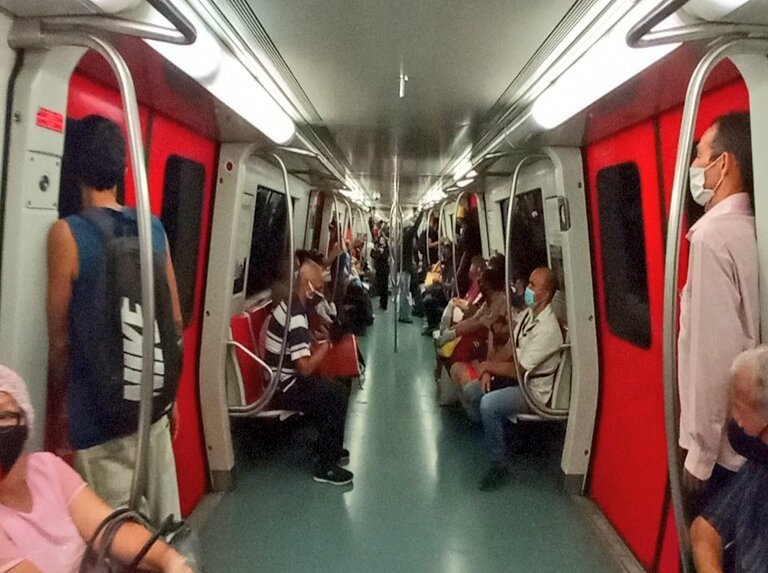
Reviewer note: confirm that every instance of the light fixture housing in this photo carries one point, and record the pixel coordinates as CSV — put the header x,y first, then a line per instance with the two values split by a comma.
x,y
712,10
607,64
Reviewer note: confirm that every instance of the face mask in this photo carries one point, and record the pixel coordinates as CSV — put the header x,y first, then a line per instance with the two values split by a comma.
x,y
700,194
12,442
530,297
751,447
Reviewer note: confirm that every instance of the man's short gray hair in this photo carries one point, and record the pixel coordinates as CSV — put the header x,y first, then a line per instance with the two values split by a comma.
x,y
756,360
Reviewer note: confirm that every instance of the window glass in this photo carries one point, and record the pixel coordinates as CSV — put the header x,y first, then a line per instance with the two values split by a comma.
x,y
529,251
622,238
182,210
268,249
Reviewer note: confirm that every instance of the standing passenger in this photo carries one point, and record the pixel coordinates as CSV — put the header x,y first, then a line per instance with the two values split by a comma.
x,y
77,307
719,307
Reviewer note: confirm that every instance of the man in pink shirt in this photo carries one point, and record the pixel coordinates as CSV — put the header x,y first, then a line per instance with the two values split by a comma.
x,y
719,306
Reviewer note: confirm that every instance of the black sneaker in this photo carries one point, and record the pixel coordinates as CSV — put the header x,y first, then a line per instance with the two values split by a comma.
x,y
496,477
344,457
334,475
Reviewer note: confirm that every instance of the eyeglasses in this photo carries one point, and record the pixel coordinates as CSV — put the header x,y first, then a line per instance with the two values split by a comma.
x,y
10,419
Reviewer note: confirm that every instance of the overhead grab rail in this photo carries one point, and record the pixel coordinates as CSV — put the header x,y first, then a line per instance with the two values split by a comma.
x,y
43,35
259,404
183,31
720,51
641,35
533,403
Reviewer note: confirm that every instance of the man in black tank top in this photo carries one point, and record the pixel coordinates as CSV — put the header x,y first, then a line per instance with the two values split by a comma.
x,y
78,404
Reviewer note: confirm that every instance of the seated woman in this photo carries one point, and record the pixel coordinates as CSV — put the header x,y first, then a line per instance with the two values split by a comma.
x,y
47,512
437,295
460,308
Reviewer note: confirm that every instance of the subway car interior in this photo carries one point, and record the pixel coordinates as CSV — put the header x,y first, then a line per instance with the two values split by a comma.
x,y
390,146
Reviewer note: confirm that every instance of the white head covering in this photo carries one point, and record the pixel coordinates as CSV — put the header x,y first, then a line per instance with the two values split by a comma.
x,y
12,383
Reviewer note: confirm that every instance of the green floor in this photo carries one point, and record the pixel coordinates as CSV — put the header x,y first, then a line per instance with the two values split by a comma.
x,y
414,505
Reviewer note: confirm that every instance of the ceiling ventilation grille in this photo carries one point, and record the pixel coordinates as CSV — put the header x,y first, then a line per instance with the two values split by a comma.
x,y
505,107
250,23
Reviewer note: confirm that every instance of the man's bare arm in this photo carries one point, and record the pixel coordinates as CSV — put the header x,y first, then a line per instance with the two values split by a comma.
x,y
707,547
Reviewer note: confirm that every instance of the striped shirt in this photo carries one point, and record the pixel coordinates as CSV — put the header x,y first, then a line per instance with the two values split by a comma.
x,y
299,340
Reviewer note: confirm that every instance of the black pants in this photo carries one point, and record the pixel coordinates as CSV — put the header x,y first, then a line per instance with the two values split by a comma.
x,y
435,302
381,286
324,403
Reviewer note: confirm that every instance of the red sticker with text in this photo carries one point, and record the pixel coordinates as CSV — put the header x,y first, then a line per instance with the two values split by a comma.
x,y
52,120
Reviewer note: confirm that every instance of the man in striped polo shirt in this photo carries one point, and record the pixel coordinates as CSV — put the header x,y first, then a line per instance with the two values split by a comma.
x,y
323,401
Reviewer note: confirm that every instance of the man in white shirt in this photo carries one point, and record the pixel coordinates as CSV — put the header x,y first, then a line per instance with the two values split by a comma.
x,y
719,306
496,393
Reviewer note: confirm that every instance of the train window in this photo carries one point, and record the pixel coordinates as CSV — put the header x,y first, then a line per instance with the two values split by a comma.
x,y
268,237
527,223
182,209
622,240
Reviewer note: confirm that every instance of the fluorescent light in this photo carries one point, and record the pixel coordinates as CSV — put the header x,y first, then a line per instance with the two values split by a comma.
x,y
472,174
115,6
239,91
712,10
223,76
462,169
603,67
464,182
201,60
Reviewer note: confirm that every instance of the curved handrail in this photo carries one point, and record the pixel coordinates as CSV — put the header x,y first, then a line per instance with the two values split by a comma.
x,y
251,355
271,388
555,414
508,239
338,243
671,266
455,240
641,35
183,31
426,237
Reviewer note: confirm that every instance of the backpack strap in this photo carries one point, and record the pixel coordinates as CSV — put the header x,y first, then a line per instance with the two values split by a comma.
x,y
111,223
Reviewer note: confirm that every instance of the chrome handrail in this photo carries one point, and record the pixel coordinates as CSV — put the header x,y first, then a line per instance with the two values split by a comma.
x,y
426,237
542,410
641,35
251,355
269,391
183,31
455,240
508,239
715,55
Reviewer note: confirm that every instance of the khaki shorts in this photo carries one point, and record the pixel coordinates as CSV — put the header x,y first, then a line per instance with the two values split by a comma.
x,y
108,470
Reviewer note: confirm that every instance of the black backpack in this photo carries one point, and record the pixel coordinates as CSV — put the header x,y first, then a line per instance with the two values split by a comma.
x,y
117,353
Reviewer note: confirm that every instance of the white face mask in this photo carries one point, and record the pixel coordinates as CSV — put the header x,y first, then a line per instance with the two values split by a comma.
x,y
700,194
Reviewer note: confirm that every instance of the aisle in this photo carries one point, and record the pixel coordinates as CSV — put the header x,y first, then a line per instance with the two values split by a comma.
x,y
414,506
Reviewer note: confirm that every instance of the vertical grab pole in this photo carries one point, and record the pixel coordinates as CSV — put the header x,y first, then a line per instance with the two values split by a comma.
x,y
508,244
671,269
338,241
455,221
426,237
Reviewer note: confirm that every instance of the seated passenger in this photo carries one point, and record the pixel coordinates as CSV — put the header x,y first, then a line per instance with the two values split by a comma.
x,y
493,307
735,522
436,295
465,306
47,512
323,401
496,395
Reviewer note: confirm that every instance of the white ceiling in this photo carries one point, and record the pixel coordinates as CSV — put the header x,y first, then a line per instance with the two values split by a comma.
x,y
459,56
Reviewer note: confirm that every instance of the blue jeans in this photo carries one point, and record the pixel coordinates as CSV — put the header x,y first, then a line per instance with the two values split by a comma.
x,y
405,290
493,409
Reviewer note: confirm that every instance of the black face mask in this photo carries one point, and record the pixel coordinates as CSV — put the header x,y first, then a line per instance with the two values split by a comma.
x,y
12,442
751,447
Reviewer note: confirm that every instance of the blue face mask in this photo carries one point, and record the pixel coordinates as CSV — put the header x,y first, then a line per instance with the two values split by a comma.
x,y
530,298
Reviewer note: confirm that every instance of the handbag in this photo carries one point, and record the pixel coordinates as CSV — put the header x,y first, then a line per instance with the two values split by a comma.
x,y
433,275
98,559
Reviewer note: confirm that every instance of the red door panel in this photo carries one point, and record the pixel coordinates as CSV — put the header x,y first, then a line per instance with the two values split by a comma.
x,y
86,98
168,138
629,453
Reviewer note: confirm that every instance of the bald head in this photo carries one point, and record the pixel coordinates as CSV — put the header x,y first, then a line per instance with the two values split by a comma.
x,y
310,278
749,390
544,279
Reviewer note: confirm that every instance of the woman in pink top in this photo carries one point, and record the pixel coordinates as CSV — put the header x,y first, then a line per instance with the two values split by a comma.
x,y
46,509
